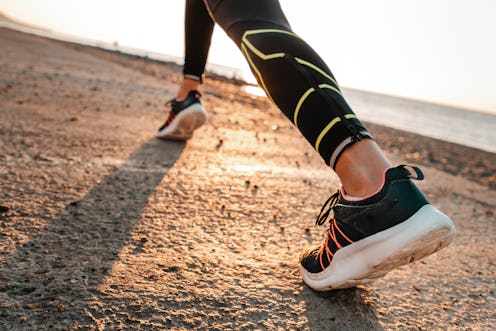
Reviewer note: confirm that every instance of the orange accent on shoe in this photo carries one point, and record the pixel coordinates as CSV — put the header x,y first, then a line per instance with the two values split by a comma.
x,y
331,233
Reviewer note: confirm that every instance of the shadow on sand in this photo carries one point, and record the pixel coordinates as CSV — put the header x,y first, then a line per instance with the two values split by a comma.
x,y
60,271
66,262
348,309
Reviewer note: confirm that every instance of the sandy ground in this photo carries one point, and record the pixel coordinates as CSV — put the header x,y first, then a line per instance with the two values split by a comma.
x,y
104,227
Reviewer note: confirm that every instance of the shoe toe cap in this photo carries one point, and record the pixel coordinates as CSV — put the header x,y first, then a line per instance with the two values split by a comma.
x,y
310,259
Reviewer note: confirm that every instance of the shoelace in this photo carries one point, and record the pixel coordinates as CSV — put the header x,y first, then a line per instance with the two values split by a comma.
x,y
172,114
324,216
328,205
170,118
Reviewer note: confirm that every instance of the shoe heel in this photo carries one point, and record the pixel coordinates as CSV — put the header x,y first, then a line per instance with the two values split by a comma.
x,y
423,234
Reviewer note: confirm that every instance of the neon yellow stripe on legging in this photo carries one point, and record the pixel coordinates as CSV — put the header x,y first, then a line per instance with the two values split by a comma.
x,y
250,32
260,79
330,87
300,103
328,128
258,52
246,43
314,67
279,55
305,96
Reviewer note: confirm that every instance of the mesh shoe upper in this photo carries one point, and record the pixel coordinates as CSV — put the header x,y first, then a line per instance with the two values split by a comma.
x,y
351,221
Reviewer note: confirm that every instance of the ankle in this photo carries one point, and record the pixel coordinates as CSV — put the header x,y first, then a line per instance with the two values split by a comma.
x,y
187,86
364,184
361,168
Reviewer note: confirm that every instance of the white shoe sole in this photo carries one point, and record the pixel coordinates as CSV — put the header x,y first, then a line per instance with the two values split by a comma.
x,y
424,233
184,124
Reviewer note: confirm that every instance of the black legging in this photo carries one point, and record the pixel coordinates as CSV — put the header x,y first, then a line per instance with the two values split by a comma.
x,y
292,74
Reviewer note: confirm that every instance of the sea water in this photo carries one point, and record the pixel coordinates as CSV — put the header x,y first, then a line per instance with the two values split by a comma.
x,y
461,126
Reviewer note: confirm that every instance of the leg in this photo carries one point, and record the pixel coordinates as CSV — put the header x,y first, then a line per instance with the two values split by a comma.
x,y
187,113
392,223
301,84
198,28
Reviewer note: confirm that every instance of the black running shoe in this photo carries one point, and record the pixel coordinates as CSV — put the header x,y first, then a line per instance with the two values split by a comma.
x,y
185,117
368,238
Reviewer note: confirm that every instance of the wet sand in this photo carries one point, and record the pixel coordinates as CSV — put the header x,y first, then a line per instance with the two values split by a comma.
x,y
104,227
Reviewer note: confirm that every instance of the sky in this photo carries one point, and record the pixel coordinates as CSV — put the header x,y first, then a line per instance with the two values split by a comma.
x,y
442,51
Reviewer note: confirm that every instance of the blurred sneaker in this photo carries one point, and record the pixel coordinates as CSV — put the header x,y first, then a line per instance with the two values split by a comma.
x,y
369,237
184,118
